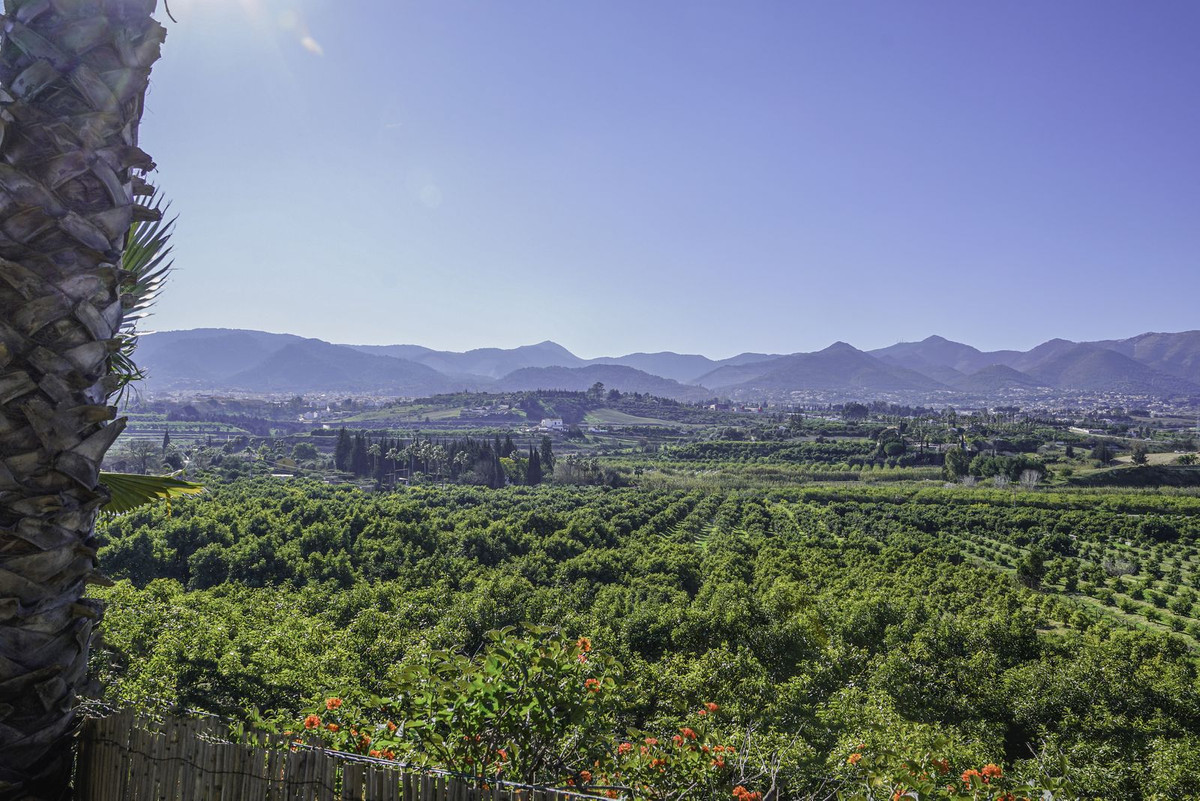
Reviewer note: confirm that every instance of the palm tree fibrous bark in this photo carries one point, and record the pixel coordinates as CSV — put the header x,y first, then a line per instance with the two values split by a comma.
x,y
73,76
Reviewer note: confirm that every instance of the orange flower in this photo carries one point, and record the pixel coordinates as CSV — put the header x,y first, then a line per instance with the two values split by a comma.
x,y
651,741
992,771
332,727
593,685
942,765
312,722
584,644
969,774
624,748
375,753
688,733
711,707
332,703
503,754
719,762
854,758
391,727
586,775
610,793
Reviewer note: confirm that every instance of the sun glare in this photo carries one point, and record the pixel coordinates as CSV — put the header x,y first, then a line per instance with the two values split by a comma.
x,y
280,15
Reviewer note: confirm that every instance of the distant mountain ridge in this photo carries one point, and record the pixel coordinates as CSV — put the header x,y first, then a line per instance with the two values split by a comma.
x,y
229,360
837,368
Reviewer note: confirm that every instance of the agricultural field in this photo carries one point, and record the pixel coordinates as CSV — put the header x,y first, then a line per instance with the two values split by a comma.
x,y
1049,631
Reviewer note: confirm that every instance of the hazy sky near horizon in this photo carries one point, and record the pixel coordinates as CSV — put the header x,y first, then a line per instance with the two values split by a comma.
x,y
710,177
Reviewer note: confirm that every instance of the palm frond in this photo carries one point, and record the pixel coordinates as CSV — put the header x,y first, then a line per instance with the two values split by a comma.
x,y
128,491
145,267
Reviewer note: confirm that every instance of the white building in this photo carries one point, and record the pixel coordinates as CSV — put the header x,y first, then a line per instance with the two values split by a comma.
x,y
551,424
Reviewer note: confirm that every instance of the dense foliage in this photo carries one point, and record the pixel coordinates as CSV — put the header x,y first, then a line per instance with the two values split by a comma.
x,y
819,619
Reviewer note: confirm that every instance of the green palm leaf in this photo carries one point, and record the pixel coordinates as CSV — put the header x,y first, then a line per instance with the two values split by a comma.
x,y
128,491
145,267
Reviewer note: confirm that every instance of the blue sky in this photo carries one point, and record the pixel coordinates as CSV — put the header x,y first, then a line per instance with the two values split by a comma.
x,y
709,177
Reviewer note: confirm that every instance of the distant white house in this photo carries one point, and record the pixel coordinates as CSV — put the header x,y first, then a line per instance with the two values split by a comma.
x,y
551,424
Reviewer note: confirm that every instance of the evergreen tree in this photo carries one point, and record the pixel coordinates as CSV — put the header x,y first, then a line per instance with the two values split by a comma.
x,y
957,464
547,453
342,451
166,441
533,468
508,449
498,472
360,461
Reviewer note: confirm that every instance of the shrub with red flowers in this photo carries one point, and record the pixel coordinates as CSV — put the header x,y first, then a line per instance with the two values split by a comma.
x,y
883,774
533,706
692,762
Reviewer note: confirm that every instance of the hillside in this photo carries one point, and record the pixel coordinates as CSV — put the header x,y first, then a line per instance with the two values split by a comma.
x,y
498,362
838,367
316,366
996,378
1085,367
1176,354
580,379
681,367
205,356
934,351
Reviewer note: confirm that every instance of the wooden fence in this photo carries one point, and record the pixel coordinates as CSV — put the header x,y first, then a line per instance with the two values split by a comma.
x,y
133,757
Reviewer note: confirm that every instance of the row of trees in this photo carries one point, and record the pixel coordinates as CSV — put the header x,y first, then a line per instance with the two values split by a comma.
x,y
464,460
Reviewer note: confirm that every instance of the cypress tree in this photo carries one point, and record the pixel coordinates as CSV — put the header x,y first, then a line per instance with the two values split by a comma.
x,y
498,471
533,468
342,451
360,462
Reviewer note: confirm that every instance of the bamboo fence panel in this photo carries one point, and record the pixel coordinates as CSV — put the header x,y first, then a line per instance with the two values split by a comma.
x,y
130,756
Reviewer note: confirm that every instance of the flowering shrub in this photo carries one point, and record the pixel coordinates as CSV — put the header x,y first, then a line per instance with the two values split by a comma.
x,y
693,762
534,706
527,707
882,774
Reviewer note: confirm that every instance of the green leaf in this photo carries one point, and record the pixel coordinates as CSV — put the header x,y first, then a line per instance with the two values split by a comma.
x,y
128,491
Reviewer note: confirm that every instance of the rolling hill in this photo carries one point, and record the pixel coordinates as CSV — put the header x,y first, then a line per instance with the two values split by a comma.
x,y
315,366
1084,367
996,378
613,376
836,368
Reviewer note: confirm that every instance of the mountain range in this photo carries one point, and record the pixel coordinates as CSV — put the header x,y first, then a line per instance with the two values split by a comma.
x,y
221,360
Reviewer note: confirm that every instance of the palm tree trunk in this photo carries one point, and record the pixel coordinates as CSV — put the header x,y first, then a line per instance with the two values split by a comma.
x,y
74,74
